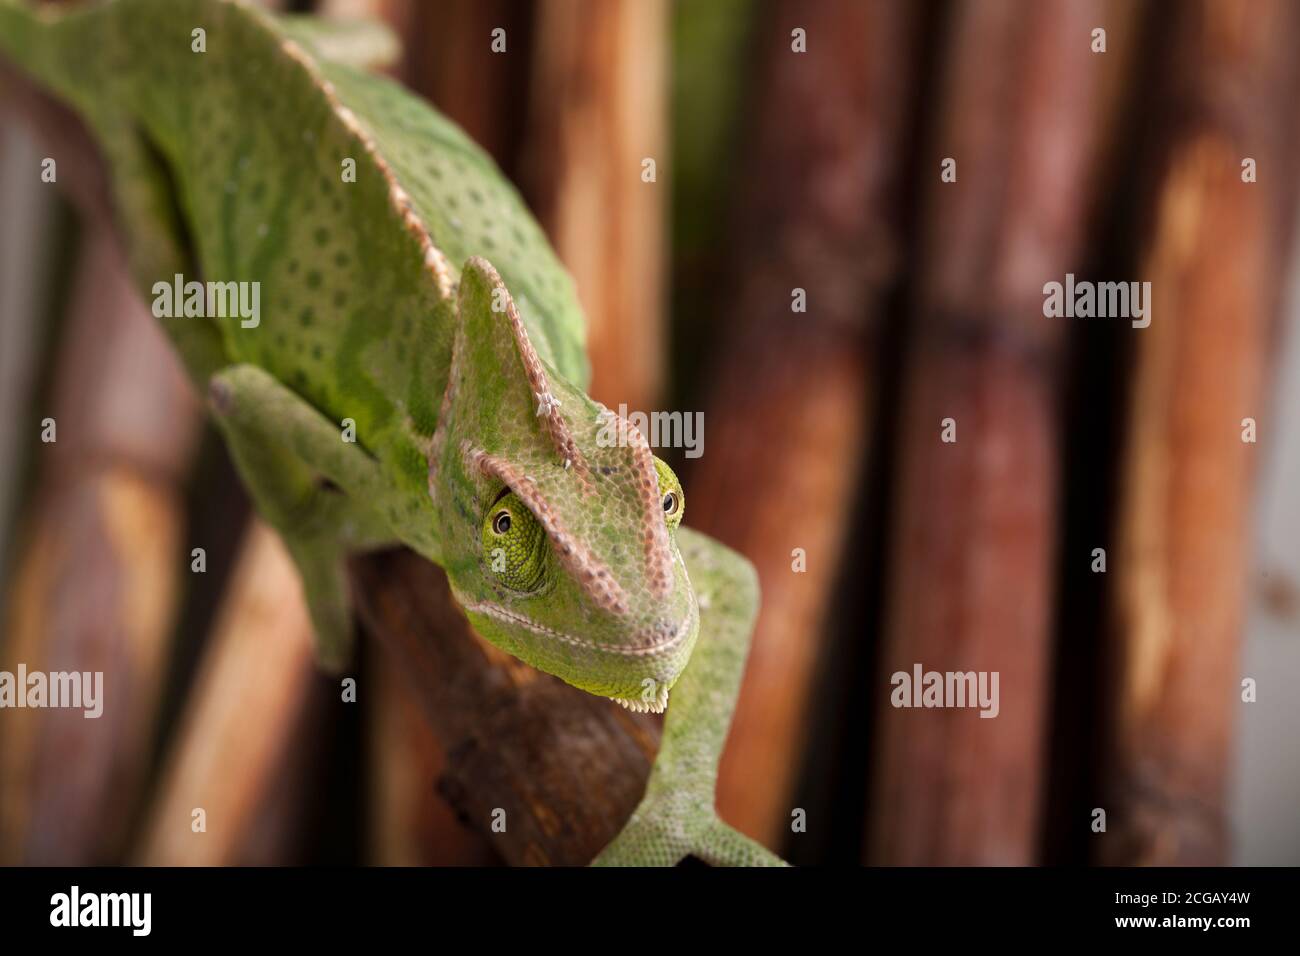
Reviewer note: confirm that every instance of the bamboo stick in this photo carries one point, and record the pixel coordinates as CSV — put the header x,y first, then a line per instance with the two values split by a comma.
x,y
788,420
96,583
242,721
597,114
973,547
1216,260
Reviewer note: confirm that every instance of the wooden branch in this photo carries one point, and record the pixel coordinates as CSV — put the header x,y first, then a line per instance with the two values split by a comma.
x,y
408,823
567,768
1217,262
973,547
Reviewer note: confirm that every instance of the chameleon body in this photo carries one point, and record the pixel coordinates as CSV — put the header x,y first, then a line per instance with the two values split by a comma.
x,y
406,295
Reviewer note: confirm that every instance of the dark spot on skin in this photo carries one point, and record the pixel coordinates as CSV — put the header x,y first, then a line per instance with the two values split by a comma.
x,y
340,299
317,352
341,260
313,279
293,266
607,470
306,318
322,236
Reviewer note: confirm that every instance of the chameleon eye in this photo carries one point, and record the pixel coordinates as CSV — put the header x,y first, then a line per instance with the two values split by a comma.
x,y
673,501
514,544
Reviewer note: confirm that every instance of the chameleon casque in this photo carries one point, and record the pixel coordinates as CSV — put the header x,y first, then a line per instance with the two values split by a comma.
x,y
417,298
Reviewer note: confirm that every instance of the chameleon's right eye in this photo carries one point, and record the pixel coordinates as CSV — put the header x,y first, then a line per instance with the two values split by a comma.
x,y
514,544
671,497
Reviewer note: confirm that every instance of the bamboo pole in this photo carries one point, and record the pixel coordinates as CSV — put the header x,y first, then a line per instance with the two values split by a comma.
x,y
788,418
973,552
1216,261
96,582
242,722
598,114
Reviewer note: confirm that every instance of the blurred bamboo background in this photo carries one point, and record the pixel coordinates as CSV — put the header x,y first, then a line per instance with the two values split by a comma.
x,y
798,148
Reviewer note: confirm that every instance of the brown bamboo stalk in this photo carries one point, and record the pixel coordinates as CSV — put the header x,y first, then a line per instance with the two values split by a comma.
x,y
598,109
788,420
450,60
1217,261
96,584
240,724
973,556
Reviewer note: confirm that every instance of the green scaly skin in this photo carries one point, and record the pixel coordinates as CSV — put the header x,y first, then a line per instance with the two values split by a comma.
x,y
466,386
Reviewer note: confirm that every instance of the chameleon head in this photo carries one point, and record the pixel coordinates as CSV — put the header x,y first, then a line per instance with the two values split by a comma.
x,y
558,523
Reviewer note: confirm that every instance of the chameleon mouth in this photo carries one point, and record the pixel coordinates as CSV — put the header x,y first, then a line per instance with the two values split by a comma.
x,y
651,645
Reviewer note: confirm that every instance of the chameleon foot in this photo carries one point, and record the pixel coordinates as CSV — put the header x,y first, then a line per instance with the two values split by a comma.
x,y
670,826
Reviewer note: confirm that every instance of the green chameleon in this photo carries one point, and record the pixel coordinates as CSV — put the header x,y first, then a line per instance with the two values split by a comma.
x,y
389,396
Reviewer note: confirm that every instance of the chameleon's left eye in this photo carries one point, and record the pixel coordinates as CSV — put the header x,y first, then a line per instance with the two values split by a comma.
x,y
670,490
514,544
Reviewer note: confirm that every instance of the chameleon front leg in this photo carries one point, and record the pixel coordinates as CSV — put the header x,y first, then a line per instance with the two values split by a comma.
x,y
283,447
677,817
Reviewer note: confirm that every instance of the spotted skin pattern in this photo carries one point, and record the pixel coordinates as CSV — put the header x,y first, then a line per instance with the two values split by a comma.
x,y
249,148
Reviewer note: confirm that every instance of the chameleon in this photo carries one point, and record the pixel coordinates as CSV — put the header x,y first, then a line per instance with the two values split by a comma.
x,y
417,375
